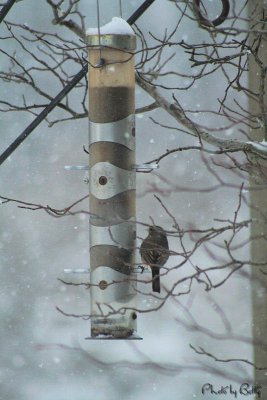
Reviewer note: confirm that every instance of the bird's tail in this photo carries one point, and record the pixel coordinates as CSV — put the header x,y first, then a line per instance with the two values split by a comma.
x,y
156,279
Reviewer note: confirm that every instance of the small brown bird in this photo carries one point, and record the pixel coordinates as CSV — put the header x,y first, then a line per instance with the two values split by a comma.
x,y
154,252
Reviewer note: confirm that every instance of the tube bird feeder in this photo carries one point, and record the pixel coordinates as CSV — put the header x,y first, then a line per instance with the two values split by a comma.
x,y
112,180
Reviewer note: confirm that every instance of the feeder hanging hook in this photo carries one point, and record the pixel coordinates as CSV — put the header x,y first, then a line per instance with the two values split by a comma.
x,y
217,21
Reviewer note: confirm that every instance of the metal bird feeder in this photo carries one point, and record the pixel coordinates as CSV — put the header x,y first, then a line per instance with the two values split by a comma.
x,y
111,78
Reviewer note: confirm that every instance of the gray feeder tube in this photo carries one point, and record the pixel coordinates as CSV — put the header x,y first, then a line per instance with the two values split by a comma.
x,y
112,185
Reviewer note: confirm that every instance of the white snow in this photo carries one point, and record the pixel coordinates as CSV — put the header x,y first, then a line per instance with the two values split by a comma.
x,y
262,146
117,26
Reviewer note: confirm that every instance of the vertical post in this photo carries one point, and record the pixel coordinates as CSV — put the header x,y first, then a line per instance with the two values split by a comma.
x,y
258,212
112,183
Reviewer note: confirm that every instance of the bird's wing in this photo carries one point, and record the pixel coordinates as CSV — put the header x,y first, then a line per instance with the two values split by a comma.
x,y
152,256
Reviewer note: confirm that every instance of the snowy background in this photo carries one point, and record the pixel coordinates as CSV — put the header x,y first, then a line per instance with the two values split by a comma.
x,y
43,354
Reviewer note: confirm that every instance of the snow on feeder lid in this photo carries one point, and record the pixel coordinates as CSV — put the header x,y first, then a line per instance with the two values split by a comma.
x,y
116,33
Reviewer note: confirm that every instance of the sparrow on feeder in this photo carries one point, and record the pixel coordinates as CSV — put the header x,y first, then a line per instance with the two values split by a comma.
x,y
154,252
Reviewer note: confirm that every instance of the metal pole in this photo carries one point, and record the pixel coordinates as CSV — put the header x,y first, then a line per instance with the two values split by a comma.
x,y
112,185
6,8
55,102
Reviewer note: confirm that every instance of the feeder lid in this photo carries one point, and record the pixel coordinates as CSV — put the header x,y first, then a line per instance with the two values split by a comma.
x,y
116,33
